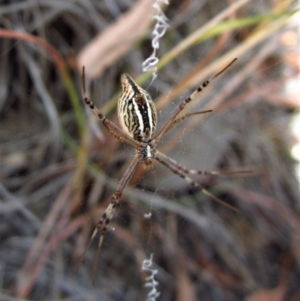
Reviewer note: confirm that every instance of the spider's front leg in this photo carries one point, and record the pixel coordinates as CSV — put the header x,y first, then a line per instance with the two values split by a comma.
x,y
104,221
181,171
187,171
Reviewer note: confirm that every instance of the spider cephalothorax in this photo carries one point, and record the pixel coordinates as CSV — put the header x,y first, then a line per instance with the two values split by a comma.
x,y
138,119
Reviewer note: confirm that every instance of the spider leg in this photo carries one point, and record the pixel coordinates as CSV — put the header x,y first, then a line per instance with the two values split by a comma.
x,y
109,125
203,172
187,100
186,116
103,223
214,172
178,170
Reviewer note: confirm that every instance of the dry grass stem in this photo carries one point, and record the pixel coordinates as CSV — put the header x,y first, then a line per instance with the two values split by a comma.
x,y
59,167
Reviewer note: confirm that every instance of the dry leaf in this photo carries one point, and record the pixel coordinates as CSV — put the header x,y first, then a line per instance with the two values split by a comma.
x,y
116,40
276,294
186,290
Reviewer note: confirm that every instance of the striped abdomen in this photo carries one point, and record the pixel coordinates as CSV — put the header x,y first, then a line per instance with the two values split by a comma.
x,y
136,110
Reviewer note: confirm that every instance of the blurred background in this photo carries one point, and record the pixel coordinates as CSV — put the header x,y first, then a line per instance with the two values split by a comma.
x,y
59,167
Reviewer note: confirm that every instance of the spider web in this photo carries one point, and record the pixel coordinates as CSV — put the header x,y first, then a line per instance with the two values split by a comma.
x,y
229,138
201,250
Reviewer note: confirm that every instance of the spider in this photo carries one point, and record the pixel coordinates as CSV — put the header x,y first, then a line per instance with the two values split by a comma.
x,y
138,118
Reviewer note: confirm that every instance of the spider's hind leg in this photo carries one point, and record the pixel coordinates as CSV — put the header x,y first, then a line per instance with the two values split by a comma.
x,y
172,121
176,121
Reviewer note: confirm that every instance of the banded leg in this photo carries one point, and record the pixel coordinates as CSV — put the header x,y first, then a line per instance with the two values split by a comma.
x,y
186,116
187,100
160,157
185,170
109,211
110,126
